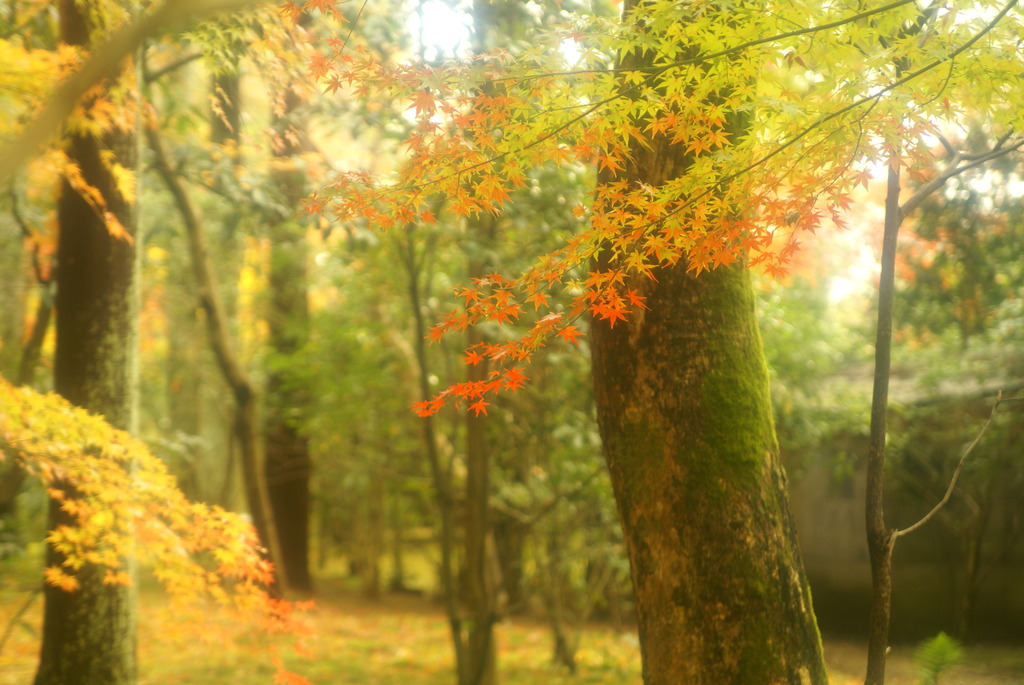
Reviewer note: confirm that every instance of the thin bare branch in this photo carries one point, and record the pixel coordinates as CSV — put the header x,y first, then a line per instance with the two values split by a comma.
x,y
153,76
954,168
17,618
956,472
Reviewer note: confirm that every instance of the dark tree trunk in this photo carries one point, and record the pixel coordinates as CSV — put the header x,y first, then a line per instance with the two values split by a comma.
x,y
289,467
481,662
685,417
288,463
89,635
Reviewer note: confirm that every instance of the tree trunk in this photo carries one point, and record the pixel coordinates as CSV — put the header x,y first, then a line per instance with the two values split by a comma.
x,y
684,412
89,635
685,416
481,662
288,465
247,428
440,472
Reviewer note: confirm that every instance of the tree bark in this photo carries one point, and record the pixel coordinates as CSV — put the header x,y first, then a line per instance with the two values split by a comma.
x,y
685,416
684,413
89,635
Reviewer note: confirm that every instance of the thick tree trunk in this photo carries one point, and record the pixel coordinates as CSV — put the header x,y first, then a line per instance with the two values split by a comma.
x,y
685,416
683,406
89,634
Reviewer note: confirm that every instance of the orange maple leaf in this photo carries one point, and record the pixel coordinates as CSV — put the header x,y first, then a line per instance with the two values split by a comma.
x,y
513,379
423,101
570,334
636,300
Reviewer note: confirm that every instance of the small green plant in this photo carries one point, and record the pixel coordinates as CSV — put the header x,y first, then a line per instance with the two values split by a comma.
x,y
935,655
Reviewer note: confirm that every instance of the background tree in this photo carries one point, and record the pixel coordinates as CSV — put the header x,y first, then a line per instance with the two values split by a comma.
x,y
288,462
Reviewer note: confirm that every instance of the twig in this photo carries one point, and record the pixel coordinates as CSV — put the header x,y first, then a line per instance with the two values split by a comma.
x,y
954,168
16,619
956,472
155,75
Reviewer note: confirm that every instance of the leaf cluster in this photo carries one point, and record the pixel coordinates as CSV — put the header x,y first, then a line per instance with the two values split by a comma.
x,y
779,110
126,505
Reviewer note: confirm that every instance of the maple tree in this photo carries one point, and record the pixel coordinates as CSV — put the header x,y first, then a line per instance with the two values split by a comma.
x,y
828,109
830,91
827,105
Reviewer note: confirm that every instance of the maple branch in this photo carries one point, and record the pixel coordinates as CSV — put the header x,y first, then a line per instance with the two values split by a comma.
x,y
956,472
821,121
950,150
17,617
153,76
532,144
352,28
103,63
656,69
715,187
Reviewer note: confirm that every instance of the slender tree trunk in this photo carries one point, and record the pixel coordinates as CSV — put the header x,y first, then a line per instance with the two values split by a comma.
x,y
685,417
880,536
480,592
89,635
247,428
440,474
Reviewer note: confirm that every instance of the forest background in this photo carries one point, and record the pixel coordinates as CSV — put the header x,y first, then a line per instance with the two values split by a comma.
x,y
322,327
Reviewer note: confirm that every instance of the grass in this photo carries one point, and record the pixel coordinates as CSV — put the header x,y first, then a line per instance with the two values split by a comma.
x,y
402,640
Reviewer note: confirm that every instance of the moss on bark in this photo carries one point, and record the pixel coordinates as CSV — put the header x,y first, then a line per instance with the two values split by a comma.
x,y
683,404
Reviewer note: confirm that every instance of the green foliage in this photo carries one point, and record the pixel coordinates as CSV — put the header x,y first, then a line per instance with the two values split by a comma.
x,y
936,655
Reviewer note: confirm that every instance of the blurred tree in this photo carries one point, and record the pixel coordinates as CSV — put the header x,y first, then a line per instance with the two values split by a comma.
x,y
288,464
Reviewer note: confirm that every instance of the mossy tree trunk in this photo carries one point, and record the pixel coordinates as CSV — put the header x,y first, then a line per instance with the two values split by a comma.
x,y
683,406
685,417
89,635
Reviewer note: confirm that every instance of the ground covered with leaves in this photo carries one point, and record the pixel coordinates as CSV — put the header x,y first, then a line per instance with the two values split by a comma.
x,y
404,639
